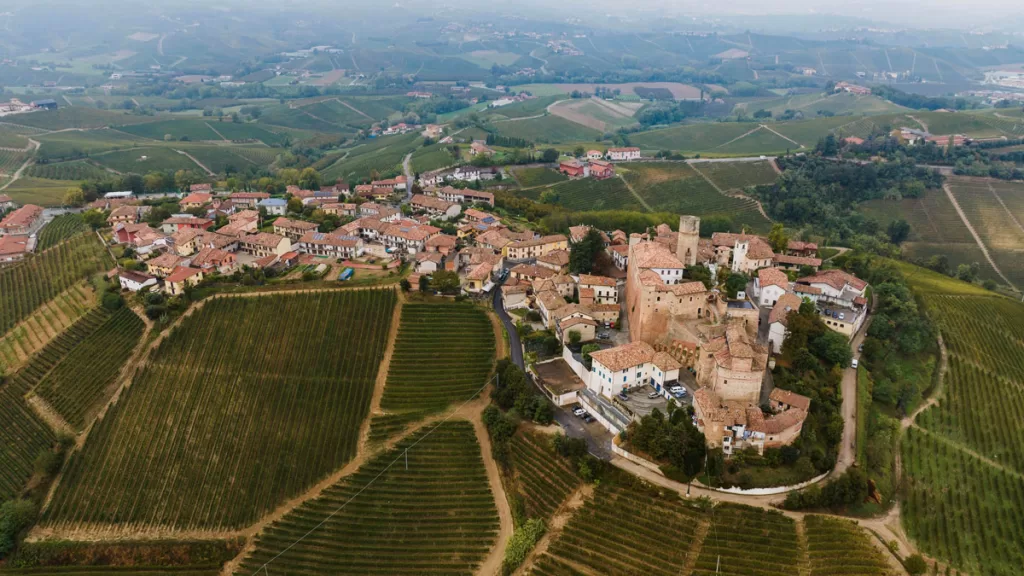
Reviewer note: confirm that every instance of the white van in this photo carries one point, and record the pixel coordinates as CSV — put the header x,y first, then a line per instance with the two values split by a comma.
x,y
853,364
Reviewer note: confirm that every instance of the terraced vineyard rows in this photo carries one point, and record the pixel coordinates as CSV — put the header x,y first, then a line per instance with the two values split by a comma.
x,y
22,437
247,403
443,354
623,530
591,194
435,517
539,176
75,170
1000,228
964,493
738,175
745,541
59,229
543,478
837,546
10,161
47,322
76,384
25,287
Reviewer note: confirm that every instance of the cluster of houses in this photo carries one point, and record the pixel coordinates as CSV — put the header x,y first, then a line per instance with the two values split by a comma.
x,y
684,334
17,229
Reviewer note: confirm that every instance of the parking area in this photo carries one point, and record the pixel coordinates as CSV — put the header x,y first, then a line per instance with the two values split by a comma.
x,y
639,402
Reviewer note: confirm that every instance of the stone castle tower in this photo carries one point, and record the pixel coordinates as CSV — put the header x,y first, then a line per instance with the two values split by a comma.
x,y
689,237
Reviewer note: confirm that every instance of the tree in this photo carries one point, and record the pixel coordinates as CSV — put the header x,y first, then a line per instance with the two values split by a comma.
x,y
736,282
700,273
405,284
15,516
915,564
184,179
95,219
575,337
832,347
778,238
112,301
549,155
309,179
579,152
295,205
154,182
583,254
445,282
898,230
74,197
968,272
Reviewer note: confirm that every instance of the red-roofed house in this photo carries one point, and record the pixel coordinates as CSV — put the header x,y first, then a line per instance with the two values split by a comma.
x,y
574,168
181,278
13,248
601,169
624,154
769,285
178,223
196,200
22,222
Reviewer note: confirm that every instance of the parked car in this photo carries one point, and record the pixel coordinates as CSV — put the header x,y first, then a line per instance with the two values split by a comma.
x,y
579,411
602,336
853,363
654,395
842,315
588,418
828,311
623,396
677,391
860,348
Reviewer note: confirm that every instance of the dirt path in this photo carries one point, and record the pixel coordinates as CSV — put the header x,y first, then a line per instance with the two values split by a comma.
x,y
491,565
28,162
215,131
353,108
744,135
634,193
974,233
558,521
784,137
924,125
198,163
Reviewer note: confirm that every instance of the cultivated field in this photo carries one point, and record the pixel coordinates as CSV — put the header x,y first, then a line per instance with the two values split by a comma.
x,y
964,495
75,143
434,516
43,325
27,286
679,91
74,170
837,546
743,541
592,543
538,176
677,187
59,229
549,129
77,383
142,160
737,175
996,211
443,354
542,479
22,438
433,157
10,161
591,194
247,403
383,155
38,191
597,113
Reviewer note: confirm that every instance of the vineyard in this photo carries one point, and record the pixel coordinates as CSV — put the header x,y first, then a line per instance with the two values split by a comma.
x,y
745,541
76,383
27,286
432,157
60,229
624,530
38,191
548,129
22,437
677,187
592,194
964,496
543,479
424,507
996,215
837,546
443,354
178,129
383,156
75,170
46,323
10,161
737,175
142,160
538,176
245,404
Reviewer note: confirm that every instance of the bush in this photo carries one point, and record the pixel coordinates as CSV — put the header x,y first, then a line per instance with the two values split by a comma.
x,y
914,564
523,540
47,462
15,516
112,301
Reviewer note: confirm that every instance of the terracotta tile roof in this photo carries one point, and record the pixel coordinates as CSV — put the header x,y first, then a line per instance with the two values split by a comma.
x,y
135,276
555,257
197,197
835,278
759,249
550,299
654,255
533,271
331,239
553,238
756,422
442,241
514,289
11,245
792,398
182,273
665,362
22,217
191,220
806,289
430,203
797,260
587,293
493,238
301,225
591,280
785,304
798,246
772,277
410,231
626,356
4,198
576,321
480,272
729,239
249,196
264,239
165,261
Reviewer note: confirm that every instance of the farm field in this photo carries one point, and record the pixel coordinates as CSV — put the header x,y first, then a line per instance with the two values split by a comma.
x,y
59,229
22,438
76,144
996,211
433,157
38,191
964,498
142,160
691,137
74,170
178,558
291,381
43,325
27,286
591,194
591,542
219,159
679,91
935,229
597,113
759,141
539,176
177,129
737,175
743,541
76,117
10,161
429,372
842,103
383,155
677,187
523,109
442,504
542,479
11,139
76,384
837,546
246,131
549,129
334,111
